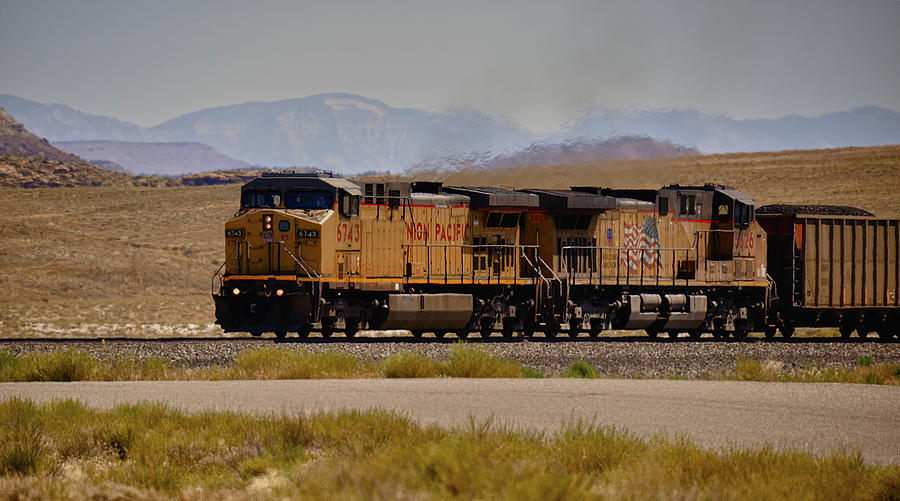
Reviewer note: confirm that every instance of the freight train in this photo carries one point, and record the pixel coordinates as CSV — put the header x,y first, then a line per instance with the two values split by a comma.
x,y
316,252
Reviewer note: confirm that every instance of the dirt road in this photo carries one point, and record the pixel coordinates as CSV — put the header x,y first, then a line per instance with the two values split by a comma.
x,y
817,418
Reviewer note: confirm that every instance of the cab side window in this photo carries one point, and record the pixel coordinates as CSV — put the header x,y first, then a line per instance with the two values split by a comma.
x,y
663,206
688,205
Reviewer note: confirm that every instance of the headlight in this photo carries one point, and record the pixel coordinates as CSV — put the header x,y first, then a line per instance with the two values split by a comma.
x,y
268,219
268,226
279,292
235,291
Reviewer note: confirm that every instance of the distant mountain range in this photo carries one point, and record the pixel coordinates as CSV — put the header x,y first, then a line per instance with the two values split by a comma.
x,y
353,134
864,126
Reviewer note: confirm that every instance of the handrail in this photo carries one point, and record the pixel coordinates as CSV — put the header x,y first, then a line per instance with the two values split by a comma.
x,y
569,275
310,272
550,268
487,248
212,285
512,246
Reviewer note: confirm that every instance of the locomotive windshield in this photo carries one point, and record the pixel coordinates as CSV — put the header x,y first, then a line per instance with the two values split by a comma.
x,y
306,199
254,199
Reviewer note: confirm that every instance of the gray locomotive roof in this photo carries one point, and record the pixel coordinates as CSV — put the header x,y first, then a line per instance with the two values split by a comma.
x,y
486,197
566,199
634,204
740,196
344,184
443,199
284,182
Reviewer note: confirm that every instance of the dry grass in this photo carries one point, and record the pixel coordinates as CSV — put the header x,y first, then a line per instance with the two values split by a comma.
x,y
95,262
865,372
104,261
150,451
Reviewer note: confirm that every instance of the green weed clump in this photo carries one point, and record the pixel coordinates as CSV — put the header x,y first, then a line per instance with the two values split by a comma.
x,y
581,369
76,365
151,451
22,447
465,361
407,364
475,362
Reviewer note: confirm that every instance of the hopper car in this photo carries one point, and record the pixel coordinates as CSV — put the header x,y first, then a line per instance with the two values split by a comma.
x,y
317,252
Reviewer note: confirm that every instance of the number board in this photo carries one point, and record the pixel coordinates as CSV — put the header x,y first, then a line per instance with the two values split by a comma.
x,y
234,233
307,234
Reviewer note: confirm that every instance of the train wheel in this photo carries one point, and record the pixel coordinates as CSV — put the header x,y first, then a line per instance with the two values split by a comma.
x,y
770,331
846,329
464,334
256,333
551,329
440,334
596,328
574,328
652,333
740,333
787,330
673,334
719,334
280,334
417,334
487,325
352,327
304,331
527,328
695,333
509,327
327,327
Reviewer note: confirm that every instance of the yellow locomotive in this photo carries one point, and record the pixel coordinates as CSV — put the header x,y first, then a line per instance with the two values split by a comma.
x,y
312,251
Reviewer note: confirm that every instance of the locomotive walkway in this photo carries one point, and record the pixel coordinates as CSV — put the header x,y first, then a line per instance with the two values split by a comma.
x,y
811,417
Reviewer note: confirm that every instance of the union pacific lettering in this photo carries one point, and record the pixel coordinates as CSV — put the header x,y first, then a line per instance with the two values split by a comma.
x,y
451,232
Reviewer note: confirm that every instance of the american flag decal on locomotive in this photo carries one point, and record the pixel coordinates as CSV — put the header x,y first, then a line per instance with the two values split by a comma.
x,y
642,237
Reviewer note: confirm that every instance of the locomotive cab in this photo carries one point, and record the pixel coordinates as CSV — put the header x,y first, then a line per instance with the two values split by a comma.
x,y
274,250
719,223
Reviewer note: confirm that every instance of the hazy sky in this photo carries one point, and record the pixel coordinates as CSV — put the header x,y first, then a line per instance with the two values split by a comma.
x,y
537,62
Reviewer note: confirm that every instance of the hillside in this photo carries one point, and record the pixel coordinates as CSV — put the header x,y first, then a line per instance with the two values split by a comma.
x,y
16,140
23,171
161,159
28,161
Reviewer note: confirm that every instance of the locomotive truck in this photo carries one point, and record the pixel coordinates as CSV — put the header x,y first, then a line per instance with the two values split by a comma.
x,y
317,252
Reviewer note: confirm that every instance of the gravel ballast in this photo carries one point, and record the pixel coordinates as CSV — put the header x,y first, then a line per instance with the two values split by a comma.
x,y
629,357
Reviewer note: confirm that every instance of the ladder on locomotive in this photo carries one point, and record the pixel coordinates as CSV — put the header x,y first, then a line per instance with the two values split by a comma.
x,y
311,274
548,291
